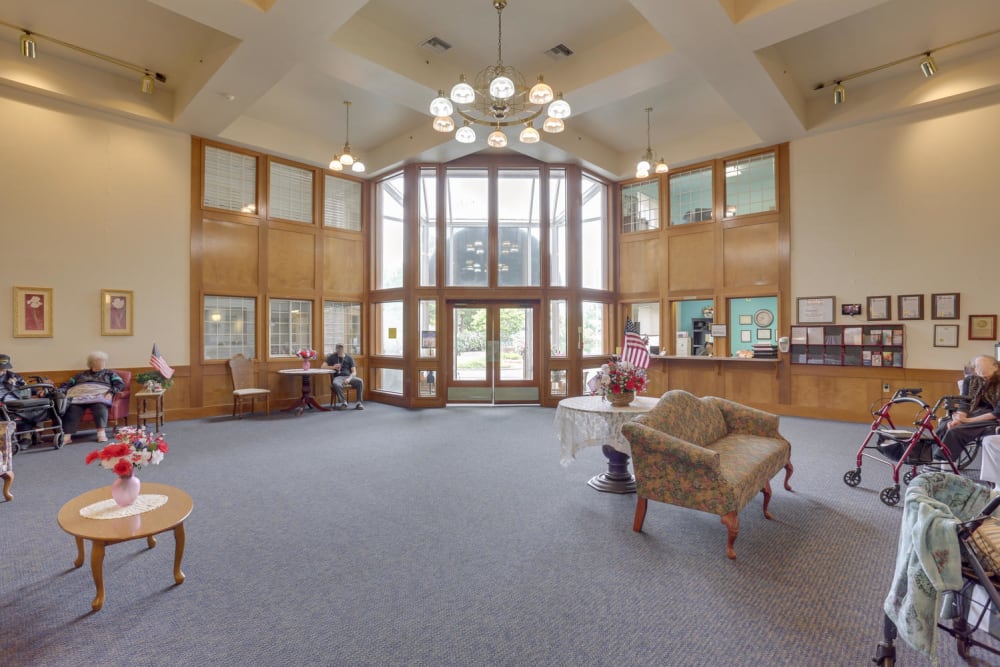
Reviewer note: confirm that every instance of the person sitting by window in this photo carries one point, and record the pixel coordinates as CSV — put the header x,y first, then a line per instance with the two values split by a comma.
x,y
94,388
11,383
344,373
983,411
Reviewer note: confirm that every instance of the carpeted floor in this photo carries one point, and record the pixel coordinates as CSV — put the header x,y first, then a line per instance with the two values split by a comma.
x,y
447,537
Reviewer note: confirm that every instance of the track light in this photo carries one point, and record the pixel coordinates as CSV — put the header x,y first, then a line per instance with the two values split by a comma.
x,y
147,84
839,94
927,66
28,45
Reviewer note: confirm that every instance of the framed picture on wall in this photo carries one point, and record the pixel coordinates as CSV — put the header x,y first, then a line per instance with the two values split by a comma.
x,y
945,335
879,308
32,312
911,306
945,306
116,312
763,334
745,336
982,327
746,319
815,309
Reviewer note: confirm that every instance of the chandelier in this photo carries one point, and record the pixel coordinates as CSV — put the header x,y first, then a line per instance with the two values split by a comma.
x,y
347,159
499,97
646,161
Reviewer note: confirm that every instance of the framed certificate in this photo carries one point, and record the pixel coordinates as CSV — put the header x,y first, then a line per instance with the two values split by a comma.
x,y
945,306
982,327
945,335
815,310
911,306
879,308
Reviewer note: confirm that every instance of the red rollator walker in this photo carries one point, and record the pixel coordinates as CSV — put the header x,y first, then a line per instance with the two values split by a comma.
x,y
909,447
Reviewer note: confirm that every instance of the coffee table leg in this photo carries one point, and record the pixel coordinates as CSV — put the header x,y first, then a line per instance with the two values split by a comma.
x,y
97,569
151,541
617,479
178,552
79,552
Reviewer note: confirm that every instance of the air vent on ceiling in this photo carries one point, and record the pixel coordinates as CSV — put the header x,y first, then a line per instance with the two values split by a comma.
x,y
559,51
435,44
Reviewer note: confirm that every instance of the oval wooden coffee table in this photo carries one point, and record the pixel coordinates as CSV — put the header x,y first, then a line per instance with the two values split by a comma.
x,y
102,532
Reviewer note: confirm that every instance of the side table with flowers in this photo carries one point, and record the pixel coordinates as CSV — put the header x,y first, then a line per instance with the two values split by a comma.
x,y
131,449
619,381
306,355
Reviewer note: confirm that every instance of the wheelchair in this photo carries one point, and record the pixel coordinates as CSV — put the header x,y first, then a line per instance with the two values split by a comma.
x,y
36,410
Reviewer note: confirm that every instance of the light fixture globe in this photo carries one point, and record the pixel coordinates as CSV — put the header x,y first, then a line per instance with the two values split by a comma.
x,y
541,92
465,134
529,135
441,105
560,108
444,124
502,87
553,125
643,165
336,165
346,158
462,92
497,139
358,166
641,173
662,167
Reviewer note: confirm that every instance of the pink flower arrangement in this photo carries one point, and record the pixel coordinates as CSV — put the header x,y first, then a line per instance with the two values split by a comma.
x,y
306,354
619,376
131,449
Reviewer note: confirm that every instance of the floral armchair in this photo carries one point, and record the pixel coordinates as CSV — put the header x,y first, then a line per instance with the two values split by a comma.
x,y
7,457
707,454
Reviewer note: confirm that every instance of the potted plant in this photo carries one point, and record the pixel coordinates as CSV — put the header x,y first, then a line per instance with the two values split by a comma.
x,y
153,381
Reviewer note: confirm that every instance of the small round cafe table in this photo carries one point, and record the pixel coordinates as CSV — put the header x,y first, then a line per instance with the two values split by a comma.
x,y
306,400
587,421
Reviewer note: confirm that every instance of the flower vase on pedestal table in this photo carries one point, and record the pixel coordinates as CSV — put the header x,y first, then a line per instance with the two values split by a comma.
x,y
305,364
124,490
621,400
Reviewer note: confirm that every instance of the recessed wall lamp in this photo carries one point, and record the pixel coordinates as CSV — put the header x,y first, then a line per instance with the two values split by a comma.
x,y
928,67
28,45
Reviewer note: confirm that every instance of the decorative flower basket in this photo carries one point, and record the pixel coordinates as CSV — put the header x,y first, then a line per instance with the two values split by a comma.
x,y
619,381
131,449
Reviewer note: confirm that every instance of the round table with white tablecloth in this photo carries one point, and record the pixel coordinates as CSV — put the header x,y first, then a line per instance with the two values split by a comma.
x,y
588,421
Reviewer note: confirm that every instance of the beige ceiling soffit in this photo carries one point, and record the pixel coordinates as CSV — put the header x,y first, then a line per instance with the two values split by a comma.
x,y
262,5
628,83
419,143
585,150
721,140
744,10
775,68
797,18
280,141
236,19
208,65
370,41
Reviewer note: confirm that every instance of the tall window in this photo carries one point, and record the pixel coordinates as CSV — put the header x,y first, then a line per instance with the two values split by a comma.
x,y
389,325
557,227
518,221
558,341
428,328
290,326
594,318
427,223
230,180
229,327
750,185
341,203
291,195
594,234
641,206
467,220
646,317
691,196
341,325
389,233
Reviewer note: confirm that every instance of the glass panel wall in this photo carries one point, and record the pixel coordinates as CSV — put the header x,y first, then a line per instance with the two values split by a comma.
x,y
646,317
641,206
558,329
467,225
428,328
290,326
389,233
229,327
691,196
389,325
558,382
341,325
427,227
594,234
557,227
389,380
594,326
750,185
518,221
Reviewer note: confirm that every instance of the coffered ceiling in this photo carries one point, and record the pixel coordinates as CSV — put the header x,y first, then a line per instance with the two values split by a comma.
x,y
721,75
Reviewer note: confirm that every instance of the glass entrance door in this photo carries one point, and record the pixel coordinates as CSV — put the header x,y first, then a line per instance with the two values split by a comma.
x,y
494,356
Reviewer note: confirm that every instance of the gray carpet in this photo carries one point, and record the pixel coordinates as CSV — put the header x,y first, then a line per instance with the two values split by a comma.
x,y
447,537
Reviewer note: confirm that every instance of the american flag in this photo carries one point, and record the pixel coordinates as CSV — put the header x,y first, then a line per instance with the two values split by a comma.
x,y
158,362
635,350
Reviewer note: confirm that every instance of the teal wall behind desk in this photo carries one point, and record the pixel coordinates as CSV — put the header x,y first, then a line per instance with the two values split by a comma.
x,y
749,306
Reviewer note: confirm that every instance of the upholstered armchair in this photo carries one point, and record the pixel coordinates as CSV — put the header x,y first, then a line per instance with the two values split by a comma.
x,y
118,411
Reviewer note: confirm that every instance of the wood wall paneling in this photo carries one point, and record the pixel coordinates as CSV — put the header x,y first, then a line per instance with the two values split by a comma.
x,y
229,257
291,261
750,255
640,261
691,261
343,265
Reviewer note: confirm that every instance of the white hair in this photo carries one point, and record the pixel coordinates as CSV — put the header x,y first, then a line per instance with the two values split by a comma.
x,y
94,356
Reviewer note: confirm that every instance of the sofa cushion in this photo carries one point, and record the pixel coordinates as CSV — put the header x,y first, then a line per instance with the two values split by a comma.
x,y
686,417
747,462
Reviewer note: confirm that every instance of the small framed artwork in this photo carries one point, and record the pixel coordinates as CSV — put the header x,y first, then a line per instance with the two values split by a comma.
x,y
428,340
763,334
745,336
746,319
879,308
851,309
944,306
945,335
815,309
32,312
117,306
982,327
911,306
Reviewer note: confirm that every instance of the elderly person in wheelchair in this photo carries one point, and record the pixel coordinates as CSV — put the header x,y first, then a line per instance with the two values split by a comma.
x,y
11,384
94,388
981,416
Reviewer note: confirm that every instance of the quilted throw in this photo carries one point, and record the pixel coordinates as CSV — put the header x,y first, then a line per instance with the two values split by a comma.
x,y
928,560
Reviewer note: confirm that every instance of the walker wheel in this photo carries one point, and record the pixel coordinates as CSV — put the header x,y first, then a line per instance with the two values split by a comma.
x,y
889,495
908,477
15,447
852,477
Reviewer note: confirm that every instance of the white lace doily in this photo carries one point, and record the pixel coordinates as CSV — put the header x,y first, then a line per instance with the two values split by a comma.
x,y
108,509
587,421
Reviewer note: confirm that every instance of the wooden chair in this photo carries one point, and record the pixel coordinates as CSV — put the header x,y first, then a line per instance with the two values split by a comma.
x,y
241,370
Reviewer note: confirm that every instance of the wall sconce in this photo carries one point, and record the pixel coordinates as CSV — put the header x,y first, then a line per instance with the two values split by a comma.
x,y
28,45
839,94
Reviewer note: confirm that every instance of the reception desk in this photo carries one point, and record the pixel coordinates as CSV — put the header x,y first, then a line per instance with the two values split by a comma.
x,y
750,381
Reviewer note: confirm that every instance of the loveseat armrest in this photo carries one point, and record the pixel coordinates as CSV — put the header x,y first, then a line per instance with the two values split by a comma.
x,y
743,419
652,449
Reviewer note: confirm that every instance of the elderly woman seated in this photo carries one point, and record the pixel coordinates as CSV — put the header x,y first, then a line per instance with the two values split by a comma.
x,y
94,388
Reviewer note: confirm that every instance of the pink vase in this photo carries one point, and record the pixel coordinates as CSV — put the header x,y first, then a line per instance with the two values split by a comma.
x,y
125,490
305,364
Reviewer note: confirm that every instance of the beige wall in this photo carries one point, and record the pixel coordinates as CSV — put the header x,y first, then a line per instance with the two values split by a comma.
x,y
908,205
90,201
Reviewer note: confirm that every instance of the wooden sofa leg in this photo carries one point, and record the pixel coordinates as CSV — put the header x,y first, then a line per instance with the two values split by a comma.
x,y
731,520
640,513
767,498
8,479
789,469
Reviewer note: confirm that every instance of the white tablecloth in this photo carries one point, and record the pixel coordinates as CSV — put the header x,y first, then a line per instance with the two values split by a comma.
x,y
588,421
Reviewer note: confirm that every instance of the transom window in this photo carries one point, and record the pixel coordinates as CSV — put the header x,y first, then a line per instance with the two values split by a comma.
x,y
229,327
691,196
341,203
290,326
750,185
230,180
641,206
291,195
467,227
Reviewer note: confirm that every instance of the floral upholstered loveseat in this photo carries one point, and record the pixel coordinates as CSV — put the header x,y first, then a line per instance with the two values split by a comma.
x,y
707,454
